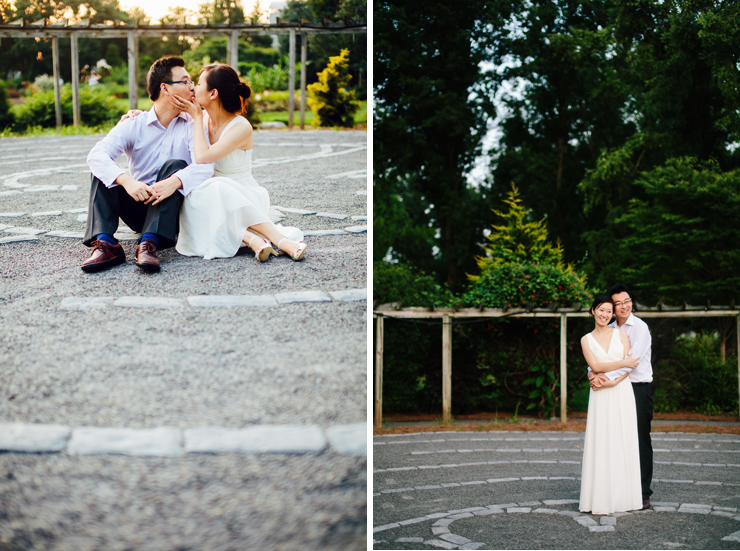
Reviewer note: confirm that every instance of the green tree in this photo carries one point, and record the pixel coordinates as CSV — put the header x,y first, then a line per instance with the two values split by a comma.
x,y
564,105
219,12
521,267
680,240
684,98
329,98
432,100
321,47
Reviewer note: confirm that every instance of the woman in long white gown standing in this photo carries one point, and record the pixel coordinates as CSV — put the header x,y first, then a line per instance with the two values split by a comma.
x,y
610,477
230,208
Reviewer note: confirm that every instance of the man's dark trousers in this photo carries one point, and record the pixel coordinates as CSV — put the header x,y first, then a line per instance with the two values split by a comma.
x,y
644,406
107,205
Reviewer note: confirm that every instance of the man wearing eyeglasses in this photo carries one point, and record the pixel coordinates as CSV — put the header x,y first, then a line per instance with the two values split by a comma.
x,y
640,377
161,172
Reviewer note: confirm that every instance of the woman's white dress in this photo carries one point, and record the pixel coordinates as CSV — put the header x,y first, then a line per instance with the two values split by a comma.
x,y
215,215
610,477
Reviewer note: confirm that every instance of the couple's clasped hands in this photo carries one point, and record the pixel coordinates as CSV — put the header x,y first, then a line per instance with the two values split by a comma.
x,y
597,381
159,191
154,194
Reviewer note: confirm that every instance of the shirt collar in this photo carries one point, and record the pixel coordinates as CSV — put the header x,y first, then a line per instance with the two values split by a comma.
x,y
151,117
630,320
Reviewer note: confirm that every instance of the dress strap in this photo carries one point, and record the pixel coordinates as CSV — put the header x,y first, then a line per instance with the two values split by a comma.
x,y
236,119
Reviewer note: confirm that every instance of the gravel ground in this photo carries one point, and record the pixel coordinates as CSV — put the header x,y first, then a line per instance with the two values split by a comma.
x,y
302,363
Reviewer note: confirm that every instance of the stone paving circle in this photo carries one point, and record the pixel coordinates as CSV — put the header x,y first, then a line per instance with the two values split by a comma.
x,y
219,404
520,490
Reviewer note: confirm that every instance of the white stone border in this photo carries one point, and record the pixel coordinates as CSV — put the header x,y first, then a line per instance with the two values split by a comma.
x,y
443,537
213,301
541,462
174,442
446,485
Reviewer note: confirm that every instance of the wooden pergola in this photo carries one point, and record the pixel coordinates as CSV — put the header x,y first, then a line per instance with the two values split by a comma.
x,y
62,29
446,315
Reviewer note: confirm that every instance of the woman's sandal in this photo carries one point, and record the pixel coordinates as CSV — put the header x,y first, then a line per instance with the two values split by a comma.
x,y
264,252
299,251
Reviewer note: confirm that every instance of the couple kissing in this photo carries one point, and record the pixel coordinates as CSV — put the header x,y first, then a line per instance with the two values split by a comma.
x,y
189,182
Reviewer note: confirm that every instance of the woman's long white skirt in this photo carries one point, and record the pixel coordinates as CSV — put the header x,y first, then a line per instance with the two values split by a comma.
x,y
610,477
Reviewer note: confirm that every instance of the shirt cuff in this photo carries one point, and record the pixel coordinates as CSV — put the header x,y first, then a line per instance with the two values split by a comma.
x,y
110,175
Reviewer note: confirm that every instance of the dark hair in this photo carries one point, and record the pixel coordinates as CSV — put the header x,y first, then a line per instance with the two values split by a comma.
x,y
159,72
599,300
231,89
618,288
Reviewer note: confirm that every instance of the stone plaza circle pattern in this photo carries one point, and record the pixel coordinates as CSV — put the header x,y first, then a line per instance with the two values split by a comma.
x,y
437,530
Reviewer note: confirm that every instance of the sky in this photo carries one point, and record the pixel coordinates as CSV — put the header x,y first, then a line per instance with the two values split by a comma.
x,y
159,8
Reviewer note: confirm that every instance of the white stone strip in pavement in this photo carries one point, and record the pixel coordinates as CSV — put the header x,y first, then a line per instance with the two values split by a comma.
x,y
173,441
213,301
12,179
443,537
393,437
498,450
324,153
542,462
490,439
445,485
548,450
18,239
360,174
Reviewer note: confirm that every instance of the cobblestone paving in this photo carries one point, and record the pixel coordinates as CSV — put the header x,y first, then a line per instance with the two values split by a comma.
x,y
509,490
216,405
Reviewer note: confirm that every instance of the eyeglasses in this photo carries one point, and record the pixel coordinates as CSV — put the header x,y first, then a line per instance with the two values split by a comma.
x,y
623,303
186,82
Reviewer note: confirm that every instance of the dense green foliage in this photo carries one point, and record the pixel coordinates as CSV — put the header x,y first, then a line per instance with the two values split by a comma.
x,y
432,98
96,107
521,268
329,98
6,118
695,378
322,46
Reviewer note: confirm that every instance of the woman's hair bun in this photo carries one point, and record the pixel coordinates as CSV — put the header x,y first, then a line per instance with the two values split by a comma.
x,y
244,90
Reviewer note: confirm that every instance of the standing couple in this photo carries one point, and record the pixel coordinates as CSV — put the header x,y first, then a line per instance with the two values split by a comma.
x,y
190,181
618,454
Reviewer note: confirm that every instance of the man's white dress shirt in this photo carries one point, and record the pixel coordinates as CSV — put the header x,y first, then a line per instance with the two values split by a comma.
x,y
148,145
640,347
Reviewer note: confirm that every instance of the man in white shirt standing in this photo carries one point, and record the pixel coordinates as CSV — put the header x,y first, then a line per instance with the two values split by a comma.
x,y
640,347
159,147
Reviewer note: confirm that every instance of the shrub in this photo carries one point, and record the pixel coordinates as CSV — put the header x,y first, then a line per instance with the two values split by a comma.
x,y
695,378
6,117
43,83
330,101
412,356
96,107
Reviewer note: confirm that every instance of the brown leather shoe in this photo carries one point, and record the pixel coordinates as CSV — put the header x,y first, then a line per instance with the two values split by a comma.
x,y
104,256
146,257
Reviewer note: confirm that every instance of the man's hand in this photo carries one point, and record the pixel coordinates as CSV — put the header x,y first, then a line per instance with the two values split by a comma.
x,y
163,189
130,114
139,191
598,380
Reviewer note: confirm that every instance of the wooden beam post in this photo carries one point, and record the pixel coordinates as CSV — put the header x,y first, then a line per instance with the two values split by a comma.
x,y
291,79
563,368
446,370
232,50
304,56
133,70
55,71
378,411
75,80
